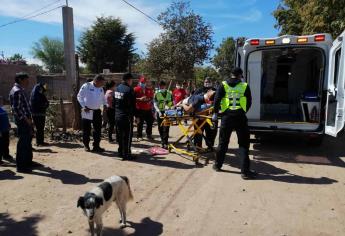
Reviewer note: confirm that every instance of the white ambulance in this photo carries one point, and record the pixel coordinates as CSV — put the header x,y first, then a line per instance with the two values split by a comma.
x,y
297,84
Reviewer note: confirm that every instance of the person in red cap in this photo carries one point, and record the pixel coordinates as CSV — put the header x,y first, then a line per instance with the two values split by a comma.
x,y
144,96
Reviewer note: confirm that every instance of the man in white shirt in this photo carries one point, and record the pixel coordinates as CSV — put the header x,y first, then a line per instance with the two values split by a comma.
x,y
91,99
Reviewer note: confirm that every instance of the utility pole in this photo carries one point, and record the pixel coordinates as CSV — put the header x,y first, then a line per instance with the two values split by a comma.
x,y
69,48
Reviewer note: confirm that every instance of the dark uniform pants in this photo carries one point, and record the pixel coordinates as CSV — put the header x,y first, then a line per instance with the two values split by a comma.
x,y
210,134
111,122
234,121
4,144
39,122
124,133
24,146
144,116
163,131
97,128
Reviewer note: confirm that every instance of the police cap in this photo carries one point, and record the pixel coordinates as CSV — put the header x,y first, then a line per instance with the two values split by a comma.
x,y
237,71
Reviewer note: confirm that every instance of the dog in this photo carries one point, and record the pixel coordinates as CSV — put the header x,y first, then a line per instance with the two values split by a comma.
x,y
95,202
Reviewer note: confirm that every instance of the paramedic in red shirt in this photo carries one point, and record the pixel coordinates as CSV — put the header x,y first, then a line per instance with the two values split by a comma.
x,y
144,97
179,93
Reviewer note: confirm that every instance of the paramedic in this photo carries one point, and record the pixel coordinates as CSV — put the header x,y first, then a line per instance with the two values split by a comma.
x,y
163,100
124,112
233,98
144,96
210,132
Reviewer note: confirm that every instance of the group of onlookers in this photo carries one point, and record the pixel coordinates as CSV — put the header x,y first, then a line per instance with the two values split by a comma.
x,y
124,104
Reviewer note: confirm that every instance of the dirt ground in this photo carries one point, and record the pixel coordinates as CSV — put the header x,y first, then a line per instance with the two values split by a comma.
x,y
300,191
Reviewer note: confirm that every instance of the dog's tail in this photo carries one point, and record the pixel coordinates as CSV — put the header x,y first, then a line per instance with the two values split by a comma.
x,y
125,178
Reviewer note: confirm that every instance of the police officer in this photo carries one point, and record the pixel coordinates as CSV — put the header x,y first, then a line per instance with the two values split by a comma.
x,y
91,99
124,98
233,98
39,106
211,132
163,100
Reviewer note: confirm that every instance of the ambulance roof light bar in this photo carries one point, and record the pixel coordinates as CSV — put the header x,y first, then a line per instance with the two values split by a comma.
x,y
254,42
320,38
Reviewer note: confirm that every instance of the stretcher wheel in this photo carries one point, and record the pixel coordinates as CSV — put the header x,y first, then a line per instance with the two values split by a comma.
x,y
196,160
188,147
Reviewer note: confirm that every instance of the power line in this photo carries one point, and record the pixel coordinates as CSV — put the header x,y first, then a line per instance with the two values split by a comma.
x,y
42,8
151,18
30,17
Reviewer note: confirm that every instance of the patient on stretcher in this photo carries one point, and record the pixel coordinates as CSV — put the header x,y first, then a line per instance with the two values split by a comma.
x,y
198,102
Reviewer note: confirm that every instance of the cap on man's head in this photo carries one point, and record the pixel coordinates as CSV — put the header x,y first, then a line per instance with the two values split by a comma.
x,y
142,79
21,75
237,71
98,78
127,76
162,83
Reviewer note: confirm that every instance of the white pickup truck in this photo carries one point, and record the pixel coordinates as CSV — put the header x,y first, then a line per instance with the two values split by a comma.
x,y
297,84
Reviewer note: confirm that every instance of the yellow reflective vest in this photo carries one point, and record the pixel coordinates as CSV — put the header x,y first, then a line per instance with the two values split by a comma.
x,y
234,98
164,101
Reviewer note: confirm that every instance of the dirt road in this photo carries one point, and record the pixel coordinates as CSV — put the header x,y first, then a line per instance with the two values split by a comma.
x,y
300,191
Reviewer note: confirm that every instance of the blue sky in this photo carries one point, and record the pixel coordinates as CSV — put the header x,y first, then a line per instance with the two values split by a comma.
x,y
249,18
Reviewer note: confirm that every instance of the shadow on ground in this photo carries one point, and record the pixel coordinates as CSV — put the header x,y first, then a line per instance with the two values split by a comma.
x,y
67,145
290,149
146,227
9,175
65,176
11,227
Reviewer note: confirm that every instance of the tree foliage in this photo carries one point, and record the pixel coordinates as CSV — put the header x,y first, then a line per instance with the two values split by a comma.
x,y
225,56
51,52
186,42
201,73
106,45
16,57
310,17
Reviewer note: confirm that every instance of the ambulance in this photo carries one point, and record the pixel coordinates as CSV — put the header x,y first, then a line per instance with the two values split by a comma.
x,y
297,84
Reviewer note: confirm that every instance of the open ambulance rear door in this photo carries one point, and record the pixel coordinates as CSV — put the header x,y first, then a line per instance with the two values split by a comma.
x,y
335,113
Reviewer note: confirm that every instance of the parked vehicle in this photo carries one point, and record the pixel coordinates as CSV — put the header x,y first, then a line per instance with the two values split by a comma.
x,y
297,83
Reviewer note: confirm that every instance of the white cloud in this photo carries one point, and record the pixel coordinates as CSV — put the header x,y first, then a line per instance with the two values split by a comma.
x,y
86,11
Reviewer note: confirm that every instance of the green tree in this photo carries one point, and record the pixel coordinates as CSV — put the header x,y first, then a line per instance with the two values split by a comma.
x,y
106,45
185,43
16,57
158,63
310,17
51,52
225,56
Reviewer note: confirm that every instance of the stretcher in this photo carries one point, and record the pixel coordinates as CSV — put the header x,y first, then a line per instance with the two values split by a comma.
x,y
188,132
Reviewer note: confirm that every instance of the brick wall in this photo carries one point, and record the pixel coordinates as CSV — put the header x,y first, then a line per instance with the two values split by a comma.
x,y
57,86
7,74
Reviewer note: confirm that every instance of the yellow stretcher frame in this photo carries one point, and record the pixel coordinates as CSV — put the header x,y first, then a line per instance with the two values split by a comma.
x,y
189,132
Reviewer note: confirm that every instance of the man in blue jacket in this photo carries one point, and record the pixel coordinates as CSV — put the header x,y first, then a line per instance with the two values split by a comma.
x,y
124,99
4,134
39,105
